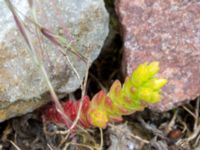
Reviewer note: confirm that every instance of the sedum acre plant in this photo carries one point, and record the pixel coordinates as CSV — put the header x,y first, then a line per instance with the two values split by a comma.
x,y
139,90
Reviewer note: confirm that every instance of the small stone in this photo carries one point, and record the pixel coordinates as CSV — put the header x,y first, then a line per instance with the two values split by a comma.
x,y
167,31
120,138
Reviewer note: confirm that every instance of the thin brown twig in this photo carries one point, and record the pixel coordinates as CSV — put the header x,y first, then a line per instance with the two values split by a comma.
x,y
196,128
79,79
131,135
47,132
50,147
83,87
194,134
172,122
37,61
197,141
152,129
189,111
99,83
185,128
17,147
183,143
77,144
102,141
197,114
38,34
51,36
63,141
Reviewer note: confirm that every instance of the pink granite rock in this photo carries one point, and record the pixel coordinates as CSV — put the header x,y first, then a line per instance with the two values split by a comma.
x,y
167,31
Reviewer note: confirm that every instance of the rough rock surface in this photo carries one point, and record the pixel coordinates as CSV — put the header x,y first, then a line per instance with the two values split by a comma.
x,y
22,86
167,31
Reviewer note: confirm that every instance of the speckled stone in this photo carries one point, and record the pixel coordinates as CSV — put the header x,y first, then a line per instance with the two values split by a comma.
x,y
167,31
83,22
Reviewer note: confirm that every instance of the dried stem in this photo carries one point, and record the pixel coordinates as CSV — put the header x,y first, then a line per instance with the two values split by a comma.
x,y
55,38
77,144
17,147
101,135
172,121
83,88
130,134
197,113
189,111
37,61
49,147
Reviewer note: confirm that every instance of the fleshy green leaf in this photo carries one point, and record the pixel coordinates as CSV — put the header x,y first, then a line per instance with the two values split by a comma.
x,y
139,90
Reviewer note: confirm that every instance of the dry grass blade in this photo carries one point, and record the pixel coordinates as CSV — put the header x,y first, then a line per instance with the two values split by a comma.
x,y
189,111
193,138
101,135
53,38
17,147
78,144
49,147
57,41
61,42
197,114
152,129
194,134
22,31
37,62
172,122
196,127
130,134
83,88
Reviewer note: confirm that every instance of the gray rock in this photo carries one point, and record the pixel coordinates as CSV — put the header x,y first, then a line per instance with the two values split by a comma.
x,y
22,85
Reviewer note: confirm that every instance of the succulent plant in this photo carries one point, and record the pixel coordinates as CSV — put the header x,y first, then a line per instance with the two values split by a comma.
x,y
138,91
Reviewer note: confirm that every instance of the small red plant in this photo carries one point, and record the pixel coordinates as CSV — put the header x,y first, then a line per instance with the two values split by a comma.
x,y
70,108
